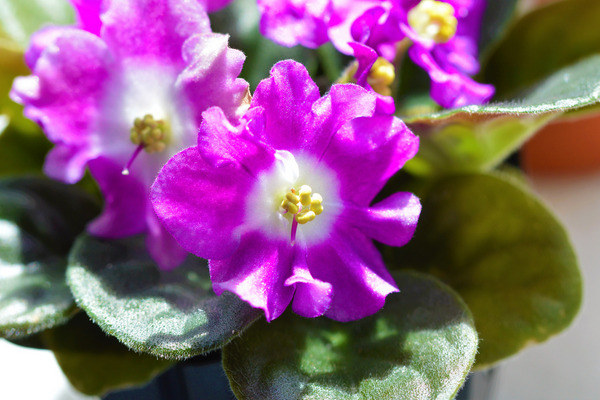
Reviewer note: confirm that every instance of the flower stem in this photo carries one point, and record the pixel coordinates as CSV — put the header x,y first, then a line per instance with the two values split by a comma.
x,y
294,229
133,157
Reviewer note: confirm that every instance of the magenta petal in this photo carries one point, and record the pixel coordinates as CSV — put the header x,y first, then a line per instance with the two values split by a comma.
x,y
88,15
342,104
220,143
66,93
366,152
356,21
125,201
450,88
460,53
154,28
201,206
379,28
392,221
455,90
354,268
214,5
365,58
163,248
211,75
67,163
65,96
256,272
471,13
289,22
312,297
41,40
385,105
287,97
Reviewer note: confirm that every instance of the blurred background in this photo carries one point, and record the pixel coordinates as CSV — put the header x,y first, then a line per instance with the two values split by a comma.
x,y
563,165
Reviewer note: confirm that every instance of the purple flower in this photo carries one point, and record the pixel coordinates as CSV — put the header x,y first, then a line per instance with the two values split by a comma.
x,y
281,203
376,74
443,34
88,15
128,83
292,22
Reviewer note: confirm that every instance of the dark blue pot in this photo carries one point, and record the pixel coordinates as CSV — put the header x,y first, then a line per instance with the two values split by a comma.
x,y
199,378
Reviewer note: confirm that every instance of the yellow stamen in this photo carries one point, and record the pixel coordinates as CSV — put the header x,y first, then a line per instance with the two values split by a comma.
x,y
304,206
290,207
305,192
433,20
315,204
305,216
292,197
381,76
153,134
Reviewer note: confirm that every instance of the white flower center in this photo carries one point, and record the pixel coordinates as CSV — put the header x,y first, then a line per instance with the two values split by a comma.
x,y
142,89
297,199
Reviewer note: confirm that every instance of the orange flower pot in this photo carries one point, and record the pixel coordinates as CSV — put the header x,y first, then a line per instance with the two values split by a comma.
x,y
565,146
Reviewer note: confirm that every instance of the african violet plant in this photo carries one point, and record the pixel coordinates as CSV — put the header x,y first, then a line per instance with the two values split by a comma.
x,y
333,212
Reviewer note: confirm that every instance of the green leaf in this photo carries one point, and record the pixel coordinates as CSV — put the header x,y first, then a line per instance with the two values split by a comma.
x,y
19,19
39,220
33,295
413,86
96,363
52,212
504,253
496,19
478,138
169,314
542,42
22,152
262,54
473,147
31,341
420,345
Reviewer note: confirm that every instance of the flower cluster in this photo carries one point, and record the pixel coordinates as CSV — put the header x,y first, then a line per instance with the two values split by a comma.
x,y
441,35
275,191
203,197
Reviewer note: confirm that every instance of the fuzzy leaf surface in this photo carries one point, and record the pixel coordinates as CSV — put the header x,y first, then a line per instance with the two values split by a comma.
x,y
419,346
171,314
505,254
39,220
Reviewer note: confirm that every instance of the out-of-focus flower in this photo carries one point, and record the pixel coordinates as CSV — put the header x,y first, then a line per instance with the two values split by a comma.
x,y
120,94
281,203
443,37
292,22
